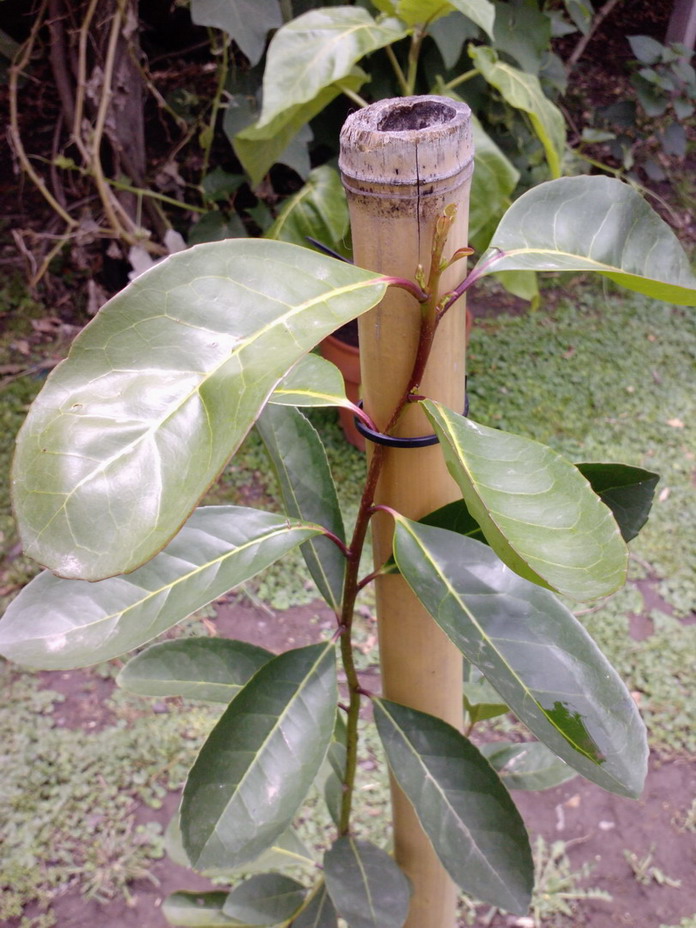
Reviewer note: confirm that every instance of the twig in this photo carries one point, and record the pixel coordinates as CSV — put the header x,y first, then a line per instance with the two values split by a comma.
x,y
579,49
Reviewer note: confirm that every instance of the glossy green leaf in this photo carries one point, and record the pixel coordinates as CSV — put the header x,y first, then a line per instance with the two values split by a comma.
x,y
319,912
481,701
259,761
534,652
522,32
300,463
319,210
366,886
468,815
197,910
286,853
161,388
314,381
246,21
627,491
57,624
330,780
213,669
523,92
456,518
594,224
265,899
537,511
316,50
480,12
494,179
259,147
529,766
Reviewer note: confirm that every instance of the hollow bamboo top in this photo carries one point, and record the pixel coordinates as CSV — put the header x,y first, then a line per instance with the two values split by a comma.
x,y
407,141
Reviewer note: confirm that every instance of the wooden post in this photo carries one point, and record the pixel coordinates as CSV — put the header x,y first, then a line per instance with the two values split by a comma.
x,y
402,162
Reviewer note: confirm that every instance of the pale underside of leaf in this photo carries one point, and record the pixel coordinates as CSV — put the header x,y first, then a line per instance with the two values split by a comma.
x,y
314,381
594,224
160,389
58,624
536,510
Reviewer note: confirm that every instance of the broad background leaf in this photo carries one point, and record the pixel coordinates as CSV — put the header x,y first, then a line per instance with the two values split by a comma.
x,y
537,511
528,766
464,809
627,491
197,910
594,224
317,50
523,92
534,652
365,884
159,390
300,463
246,21
319,210
213,669
319,913
259,761
57,624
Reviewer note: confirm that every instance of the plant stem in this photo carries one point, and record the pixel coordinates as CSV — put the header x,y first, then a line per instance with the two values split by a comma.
x,y
413,56
398,70
217,102
355,97
462,79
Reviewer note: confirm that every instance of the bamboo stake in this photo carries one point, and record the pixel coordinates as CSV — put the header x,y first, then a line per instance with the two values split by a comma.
x,y
403,161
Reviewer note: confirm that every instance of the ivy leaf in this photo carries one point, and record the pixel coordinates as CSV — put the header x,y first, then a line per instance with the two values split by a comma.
x,y
593,224
248,22
57,624
319,210
260,760
160,389
300,463
464,809
532,650
537,511
523,92
213,669
367,888
316,50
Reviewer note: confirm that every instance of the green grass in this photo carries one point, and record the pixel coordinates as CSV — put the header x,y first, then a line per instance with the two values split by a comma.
x,y
600,377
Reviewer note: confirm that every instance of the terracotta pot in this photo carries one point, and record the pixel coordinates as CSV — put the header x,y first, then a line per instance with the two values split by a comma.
x,y
346,357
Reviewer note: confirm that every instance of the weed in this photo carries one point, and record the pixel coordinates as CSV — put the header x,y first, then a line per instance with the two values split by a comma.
x,y
646,872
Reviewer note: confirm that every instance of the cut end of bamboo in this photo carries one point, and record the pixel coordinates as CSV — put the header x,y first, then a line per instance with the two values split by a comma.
x,y
407,141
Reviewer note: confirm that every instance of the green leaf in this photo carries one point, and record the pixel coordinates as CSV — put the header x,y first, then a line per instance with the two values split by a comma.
x,y
259,147
319,49
313,381
537,511
523,92
319,210
534,652
259,761
480,12
319,913
265,899
57,624
646,49
529,766
594,224
213,669
523,32
197,910
160,389
627,491
300,463
246,21
464,809
481,701
366,886
493,182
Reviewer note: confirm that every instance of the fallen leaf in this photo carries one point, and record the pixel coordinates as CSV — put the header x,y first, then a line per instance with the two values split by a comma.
x,y
664,495
675,423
